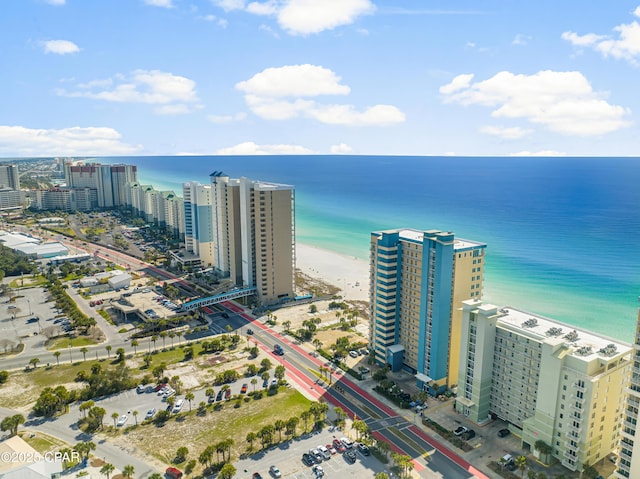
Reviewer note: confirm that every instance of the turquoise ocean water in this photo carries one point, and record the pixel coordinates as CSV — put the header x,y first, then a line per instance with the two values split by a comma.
x,y
563,234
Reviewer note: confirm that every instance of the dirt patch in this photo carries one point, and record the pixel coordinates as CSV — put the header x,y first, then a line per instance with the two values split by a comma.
x,y
96,462
217,360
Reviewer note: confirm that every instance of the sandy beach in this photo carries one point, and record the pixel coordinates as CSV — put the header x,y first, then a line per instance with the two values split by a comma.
x,y
349,274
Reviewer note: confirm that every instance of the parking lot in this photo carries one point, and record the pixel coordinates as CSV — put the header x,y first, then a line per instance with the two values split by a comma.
x,y
26,316
288,458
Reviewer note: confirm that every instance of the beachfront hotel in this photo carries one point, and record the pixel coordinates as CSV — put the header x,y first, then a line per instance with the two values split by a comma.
x,y
418,282
628,467
254,234
549,381
108,183
198,222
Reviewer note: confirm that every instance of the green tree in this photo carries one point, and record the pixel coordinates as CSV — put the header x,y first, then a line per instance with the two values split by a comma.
x,y
381,475
120,354
181,454
128,471
107,469
11,423
114,416
279,372
34,362
57,356
279,426
189,397
84,351
521,463
134,344
85,448
135,415
227,471
544,449
108,347
251,437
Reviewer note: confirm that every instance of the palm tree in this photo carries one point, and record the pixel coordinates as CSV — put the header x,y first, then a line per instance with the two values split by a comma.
x,y
227,471
135,416
254,381
163,335
114,416
521,463
107,469
544,449
108,347
34,362
189,397
179,334
154,338
128,471
84,351
305,416
171,336
57,355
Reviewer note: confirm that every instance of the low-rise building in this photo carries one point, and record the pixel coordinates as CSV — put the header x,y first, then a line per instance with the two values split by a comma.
x,y
550,381
121,280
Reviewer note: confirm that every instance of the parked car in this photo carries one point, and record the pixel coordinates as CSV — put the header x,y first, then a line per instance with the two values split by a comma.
x,y
364,449
350,456
503,432
244,388
338,445
150,413
256,475
330,448
460,430
316,455
227,394
318,470
173,473
307,459
467,436
275,472
122,420
353,354
325,452
348,443
178,406
219,395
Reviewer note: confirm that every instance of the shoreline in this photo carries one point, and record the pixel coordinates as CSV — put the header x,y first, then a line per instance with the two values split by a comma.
x,y
348,273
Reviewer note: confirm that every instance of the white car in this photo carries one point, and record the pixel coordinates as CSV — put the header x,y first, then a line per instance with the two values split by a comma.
x,y
325,452
178,406
122,420
150,413
275,472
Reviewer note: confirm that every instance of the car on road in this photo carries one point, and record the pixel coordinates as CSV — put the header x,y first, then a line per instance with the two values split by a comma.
x,y
350,456
275,472
364,449
337,443
503,432
249,331
122,420
244,388
307,459
150,413
460,430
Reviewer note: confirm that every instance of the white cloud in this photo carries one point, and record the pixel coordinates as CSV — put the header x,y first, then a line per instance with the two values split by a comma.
x,y
176,94
564,102
251,148
75,141
294,80
60,47
341,149
282,93
521,39
221,22
506,133
159,3
222,119
538,153
304,17
57,3
625,44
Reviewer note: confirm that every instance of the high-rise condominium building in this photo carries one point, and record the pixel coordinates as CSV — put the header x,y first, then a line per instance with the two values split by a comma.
x,y
162,208
629,449
254,234
198,221
109,181
418,282
9,177
552,383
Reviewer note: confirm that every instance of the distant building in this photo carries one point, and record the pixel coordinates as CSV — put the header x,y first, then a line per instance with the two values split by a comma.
x,y
629,449
418,282
550,382
11,199
66,199
9,177
162,208
108,181
118,281
42,251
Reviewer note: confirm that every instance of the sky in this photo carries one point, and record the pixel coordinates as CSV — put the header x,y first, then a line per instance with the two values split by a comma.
x,y
360,77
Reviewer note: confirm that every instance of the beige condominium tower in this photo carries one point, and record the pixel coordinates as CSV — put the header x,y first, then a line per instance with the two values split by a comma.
x,y
254,234
550,382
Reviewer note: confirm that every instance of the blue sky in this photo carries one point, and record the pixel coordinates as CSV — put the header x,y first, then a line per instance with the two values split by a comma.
x,y
170,77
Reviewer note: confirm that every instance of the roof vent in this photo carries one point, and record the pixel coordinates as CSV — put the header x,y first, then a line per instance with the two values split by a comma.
x,y
554,331
530,323
584,351
609,350
572,336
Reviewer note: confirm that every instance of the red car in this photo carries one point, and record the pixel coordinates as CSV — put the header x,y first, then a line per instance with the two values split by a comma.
x,y
244,389
337,444
173,473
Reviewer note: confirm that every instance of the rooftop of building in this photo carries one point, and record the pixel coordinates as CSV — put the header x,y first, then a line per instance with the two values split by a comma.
x,y
584,344
11,240
415,235
44,249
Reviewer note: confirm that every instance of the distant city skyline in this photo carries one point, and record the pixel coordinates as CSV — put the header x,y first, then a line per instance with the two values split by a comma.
x,y
231,77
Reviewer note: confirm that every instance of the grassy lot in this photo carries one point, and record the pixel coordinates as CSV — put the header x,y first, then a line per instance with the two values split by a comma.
x,y
197,432
77,341
43,442
27,282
